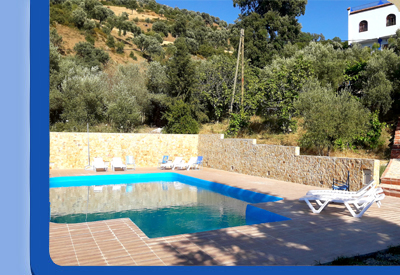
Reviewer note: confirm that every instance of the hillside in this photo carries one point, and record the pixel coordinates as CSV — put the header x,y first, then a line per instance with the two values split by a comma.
x,y
298,88
72,35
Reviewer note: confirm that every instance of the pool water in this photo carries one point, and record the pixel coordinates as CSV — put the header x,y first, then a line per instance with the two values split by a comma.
x,y
158,208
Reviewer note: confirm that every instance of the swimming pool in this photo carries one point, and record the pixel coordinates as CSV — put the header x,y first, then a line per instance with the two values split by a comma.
x,y
160,204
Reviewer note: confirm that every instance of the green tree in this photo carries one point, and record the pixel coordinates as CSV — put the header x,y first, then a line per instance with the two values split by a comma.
x,y
101,13
149,45
127,99
84,97
79,17
330,118
216,80
90,55
132,5
160,27
282,85
179,28
89,26
268,25
394,42
380,81
180,119
181,72
192,45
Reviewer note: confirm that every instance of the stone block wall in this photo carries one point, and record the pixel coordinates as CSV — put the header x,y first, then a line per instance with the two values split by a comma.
x,y
69,150
282,162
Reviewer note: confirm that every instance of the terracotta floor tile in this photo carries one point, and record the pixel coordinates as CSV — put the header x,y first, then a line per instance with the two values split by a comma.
x,y
121,261
135,250
115,254
153,262
141,257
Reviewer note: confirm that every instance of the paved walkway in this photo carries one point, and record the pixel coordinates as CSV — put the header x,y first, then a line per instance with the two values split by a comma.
x,y
306,239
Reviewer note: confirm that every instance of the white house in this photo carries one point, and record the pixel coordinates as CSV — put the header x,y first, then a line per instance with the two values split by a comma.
x,y
373,23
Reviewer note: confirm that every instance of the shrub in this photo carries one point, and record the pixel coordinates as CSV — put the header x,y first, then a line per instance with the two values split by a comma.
x,y
90,55
110,41
120,47
90,38
180,120
237,123
55,38
132,55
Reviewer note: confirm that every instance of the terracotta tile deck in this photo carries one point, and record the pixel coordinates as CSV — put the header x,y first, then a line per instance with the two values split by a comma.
x,y
304,240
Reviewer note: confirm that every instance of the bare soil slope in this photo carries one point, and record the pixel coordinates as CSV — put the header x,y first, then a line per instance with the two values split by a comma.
x,y
144,15
72,36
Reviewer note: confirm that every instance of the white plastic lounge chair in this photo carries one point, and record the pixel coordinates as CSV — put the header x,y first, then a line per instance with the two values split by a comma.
x,y
192,161
360,202
130,161
199,163
170,164
363,190
98,163
117,163
164,160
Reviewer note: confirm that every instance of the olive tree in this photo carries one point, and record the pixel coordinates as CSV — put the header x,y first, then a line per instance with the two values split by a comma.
x,y
79,17
330,118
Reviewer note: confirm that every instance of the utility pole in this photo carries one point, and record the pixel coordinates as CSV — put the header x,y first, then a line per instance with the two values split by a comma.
x,y
242,38
237,68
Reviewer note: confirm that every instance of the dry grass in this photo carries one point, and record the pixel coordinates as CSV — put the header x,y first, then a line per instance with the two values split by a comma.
x,y
71,36
259,131
143,15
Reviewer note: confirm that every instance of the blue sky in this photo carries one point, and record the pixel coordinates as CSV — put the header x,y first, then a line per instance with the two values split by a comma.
x,y
328,17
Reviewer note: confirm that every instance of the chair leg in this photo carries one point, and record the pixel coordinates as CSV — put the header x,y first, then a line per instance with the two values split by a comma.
x,y
322,206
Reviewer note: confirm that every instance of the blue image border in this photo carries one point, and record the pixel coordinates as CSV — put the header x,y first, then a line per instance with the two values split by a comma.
x,y
40,260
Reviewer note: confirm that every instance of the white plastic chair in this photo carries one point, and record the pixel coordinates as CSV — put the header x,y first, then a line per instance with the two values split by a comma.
x,y
98,163
192,161
130,161
170,164
360,192
117,163
360,202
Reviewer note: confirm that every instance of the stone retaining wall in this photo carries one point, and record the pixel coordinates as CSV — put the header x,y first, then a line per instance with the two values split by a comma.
x,y
69,150
282,162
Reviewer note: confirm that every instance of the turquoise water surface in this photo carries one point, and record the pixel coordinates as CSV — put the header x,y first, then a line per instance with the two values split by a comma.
x,y
158,208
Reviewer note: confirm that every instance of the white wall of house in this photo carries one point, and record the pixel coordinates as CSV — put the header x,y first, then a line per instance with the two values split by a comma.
x,y
377,28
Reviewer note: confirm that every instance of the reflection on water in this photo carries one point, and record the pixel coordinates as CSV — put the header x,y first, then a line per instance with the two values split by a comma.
x,y
158,208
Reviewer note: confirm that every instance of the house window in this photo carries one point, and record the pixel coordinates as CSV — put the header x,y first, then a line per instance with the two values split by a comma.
x,y
385,46
363,26
390,20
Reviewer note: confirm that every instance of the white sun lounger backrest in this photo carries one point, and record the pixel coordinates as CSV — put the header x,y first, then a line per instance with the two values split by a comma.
x,y
130,160
98,161
117,161
192,160
366,187
177,160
